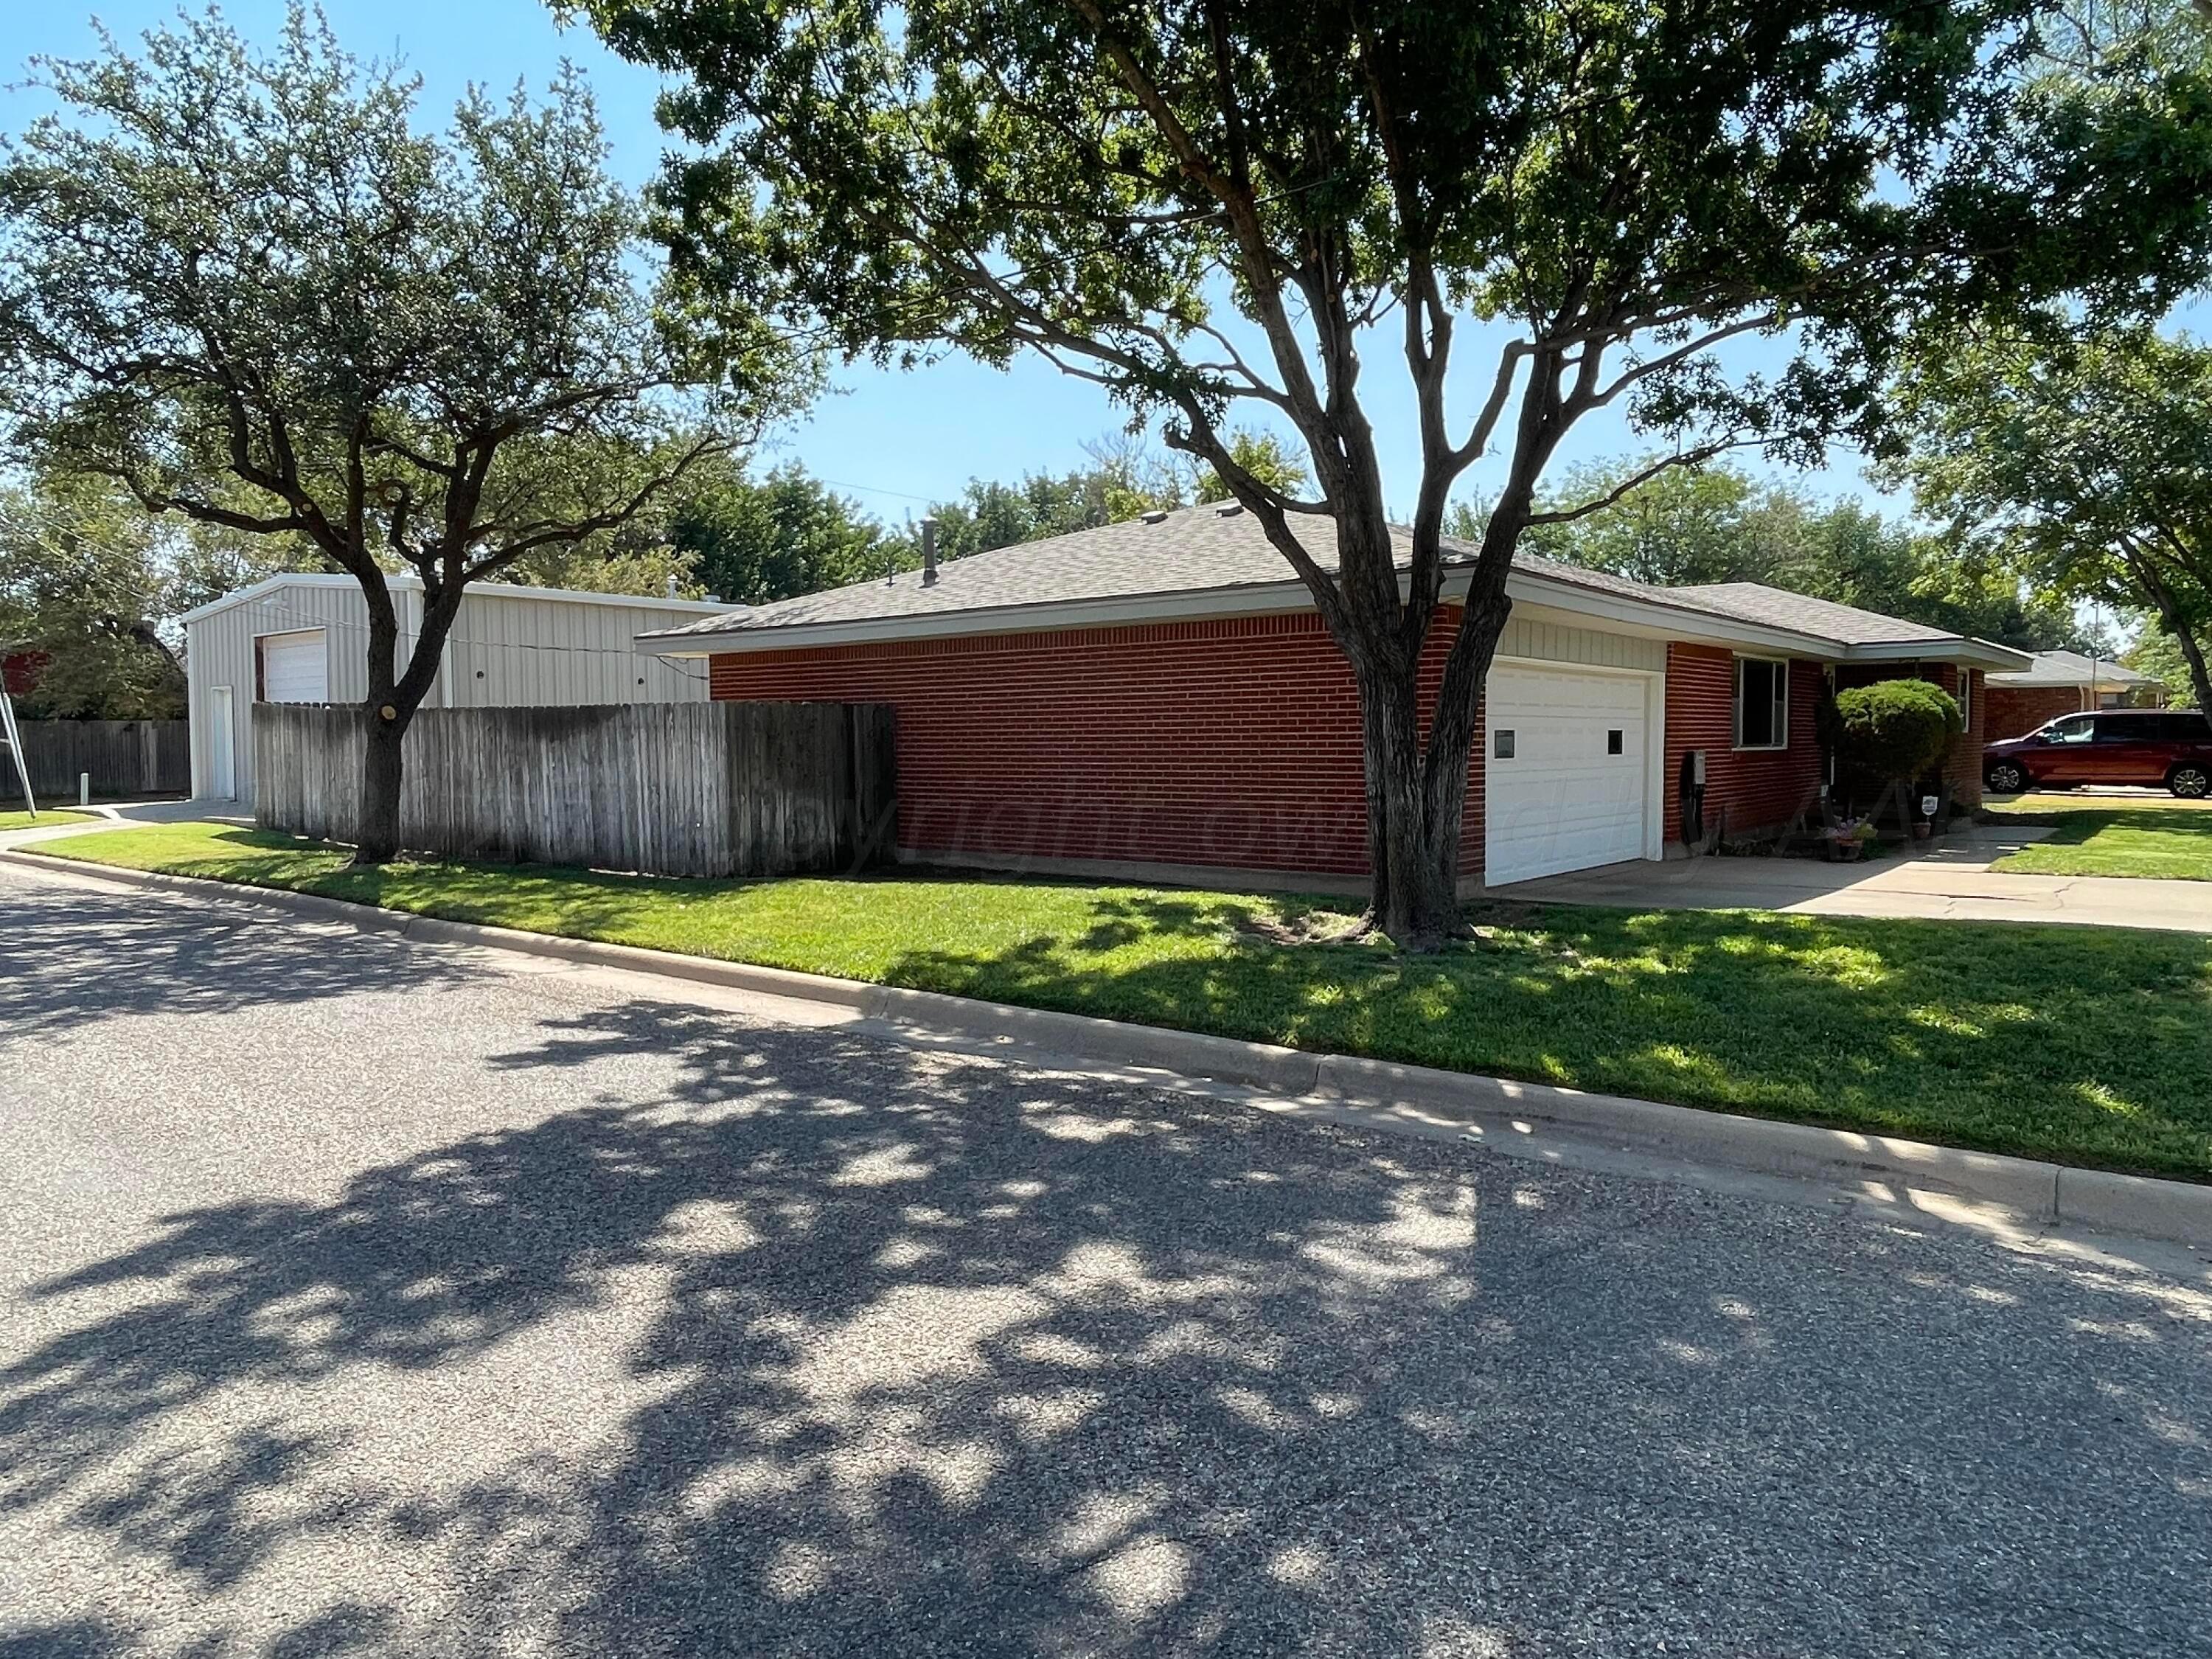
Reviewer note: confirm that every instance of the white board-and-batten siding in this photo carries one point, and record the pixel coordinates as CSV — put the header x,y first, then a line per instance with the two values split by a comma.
x,y
507,649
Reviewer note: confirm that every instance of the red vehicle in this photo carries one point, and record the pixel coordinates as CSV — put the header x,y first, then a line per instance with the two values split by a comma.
x,y
2156,747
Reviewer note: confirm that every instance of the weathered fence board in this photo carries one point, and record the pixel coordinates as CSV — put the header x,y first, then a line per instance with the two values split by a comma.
x,y
125,757
675,789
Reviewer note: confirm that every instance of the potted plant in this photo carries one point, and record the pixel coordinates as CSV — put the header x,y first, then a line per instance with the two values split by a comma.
x,y
1846,840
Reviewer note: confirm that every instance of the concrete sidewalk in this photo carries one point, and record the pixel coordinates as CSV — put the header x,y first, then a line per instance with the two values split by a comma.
x,y
1953,881
69,820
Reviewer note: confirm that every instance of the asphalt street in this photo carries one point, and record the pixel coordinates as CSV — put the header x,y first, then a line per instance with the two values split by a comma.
x,y
363,1297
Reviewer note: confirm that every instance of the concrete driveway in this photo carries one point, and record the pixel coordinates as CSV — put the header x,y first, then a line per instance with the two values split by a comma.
x,y
364,1297
1951,881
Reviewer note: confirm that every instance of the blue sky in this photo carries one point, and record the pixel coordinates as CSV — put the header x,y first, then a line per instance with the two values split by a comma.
x,y
893,440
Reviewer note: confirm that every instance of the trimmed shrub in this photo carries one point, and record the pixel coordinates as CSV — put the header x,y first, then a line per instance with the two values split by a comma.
x,y
1896,731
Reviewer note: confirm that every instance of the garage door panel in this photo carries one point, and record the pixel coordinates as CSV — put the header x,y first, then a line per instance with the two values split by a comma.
x,y
1564,800
295,667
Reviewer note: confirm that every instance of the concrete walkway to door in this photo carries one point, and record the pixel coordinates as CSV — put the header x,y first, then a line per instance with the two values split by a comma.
x,y
1952,882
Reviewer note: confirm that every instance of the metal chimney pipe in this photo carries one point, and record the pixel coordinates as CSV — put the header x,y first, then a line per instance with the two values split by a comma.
x,y
929,552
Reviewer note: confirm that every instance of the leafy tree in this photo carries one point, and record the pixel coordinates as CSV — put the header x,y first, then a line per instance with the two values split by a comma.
x,y
750,541
2085,465
2155,652
84,585
990,514
1205,206
242,286
1678,527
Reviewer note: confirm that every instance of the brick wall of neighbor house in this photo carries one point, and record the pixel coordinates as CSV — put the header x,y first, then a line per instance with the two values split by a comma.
x,y
1232,743
20,671
2015,711
1962,766
1747,790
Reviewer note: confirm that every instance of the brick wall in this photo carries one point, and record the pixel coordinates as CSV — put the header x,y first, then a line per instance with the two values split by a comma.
x,y
1748,790
1232,743
2015,711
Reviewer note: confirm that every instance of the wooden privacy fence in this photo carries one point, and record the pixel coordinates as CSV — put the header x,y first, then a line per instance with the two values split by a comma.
x,y
125,757
671,789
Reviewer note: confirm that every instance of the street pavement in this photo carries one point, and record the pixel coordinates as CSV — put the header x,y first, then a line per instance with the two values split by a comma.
x,y
368,1296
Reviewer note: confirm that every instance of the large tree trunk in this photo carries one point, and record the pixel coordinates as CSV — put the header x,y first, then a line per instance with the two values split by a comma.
x,y
376,838
1417,785
391,705
2193,652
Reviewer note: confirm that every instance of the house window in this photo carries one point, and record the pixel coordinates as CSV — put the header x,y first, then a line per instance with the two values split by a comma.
x,y
1966,698
1762,704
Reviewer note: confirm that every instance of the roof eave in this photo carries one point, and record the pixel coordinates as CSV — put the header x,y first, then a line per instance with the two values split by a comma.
x,y
1618,611
408,583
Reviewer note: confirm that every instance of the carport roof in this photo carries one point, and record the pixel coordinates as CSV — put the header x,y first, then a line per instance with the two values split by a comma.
x,y
1209,560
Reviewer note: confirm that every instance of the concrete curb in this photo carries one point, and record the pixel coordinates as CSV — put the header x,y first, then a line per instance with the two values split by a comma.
x,y
2040,1193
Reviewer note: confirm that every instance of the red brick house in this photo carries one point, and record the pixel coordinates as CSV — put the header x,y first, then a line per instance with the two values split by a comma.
x,y
1159,699
2057,683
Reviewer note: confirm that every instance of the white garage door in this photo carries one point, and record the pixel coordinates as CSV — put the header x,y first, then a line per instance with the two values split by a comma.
x,y
295,667
1565,778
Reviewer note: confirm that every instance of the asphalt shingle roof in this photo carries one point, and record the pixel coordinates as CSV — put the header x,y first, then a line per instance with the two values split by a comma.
x,y
1201,548
1778,607
2072,668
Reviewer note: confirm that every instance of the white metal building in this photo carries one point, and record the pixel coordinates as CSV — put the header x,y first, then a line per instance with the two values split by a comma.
x,y
305,639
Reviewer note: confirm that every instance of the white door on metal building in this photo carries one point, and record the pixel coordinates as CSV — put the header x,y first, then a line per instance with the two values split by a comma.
x,y
295,667
222,749
1566,774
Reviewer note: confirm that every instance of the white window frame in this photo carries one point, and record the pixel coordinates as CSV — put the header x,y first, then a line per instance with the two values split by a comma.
x,y
1780,664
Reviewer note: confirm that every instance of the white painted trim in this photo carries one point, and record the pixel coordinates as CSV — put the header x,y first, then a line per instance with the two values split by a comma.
x,y
269,585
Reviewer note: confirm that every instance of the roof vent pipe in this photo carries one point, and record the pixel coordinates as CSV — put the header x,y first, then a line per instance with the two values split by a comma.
x,y
929,552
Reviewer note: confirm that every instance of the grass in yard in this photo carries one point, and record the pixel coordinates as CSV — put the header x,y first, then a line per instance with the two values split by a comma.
x,y
2087,1045
20,820
2102,840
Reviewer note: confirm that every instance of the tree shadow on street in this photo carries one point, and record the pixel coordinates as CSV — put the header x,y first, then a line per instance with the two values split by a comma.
x,y
831,1347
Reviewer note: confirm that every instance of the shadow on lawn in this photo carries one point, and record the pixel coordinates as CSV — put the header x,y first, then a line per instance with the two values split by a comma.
x,y
2087,1044
793,1343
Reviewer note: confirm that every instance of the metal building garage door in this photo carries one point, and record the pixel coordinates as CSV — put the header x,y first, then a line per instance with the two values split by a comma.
x,y
1565,772
295,667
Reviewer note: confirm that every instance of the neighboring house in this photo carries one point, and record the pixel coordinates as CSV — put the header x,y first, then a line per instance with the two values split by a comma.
x,y
21,664
305,639
2057,683
1159,699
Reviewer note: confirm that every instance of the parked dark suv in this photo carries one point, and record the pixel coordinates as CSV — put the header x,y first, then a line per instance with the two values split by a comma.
x,y
2127,746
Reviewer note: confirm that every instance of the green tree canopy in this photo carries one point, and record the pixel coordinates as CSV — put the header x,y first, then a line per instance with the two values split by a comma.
x,y
2085,466
750,541
1209,206
242,286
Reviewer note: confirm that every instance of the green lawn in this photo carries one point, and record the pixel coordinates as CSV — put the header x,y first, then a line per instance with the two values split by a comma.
x,y
2084,1044
2102,836
25,821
